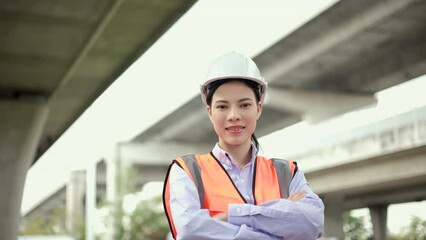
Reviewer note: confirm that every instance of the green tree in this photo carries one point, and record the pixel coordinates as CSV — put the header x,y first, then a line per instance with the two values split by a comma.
x,y
395,236
52,224
354,228
416,230
147,221
126,184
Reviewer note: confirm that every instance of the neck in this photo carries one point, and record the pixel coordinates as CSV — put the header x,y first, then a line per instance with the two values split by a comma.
x,y
241,153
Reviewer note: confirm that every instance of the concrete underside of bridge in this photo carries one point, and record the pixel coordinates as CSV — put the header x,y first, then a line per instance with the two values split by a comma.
x,y
333,64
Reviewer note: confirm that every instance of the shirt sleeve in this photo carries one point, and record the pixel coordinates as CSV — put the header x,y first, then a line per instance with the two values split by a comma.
x,y
299,220
192,222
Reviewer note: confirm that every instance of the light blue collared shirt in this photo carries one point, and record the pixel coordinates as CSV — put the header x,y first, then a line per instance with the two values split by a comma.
x,y
277,219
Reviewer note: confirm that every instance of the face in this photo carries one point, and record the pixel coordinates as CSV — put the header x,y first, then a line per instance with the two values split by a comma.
x,y
234,112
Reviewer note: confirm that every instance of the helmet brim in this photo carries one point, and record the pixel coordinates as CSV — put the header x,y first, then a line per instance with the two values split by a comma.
x,y
261,82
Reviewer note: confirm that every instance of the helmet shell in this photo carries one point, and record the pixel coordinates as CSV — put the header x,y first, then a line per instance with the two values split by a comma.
x,y
234,65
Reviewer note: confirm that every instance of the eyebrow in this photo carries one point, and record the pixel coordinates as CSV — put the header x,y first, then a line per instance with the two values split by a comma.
x,y
241,100
245,99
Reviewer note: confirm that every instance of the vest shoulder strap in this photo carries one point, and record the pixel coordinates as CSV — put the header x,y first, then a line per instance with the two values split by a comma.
x,y
194,169
285,170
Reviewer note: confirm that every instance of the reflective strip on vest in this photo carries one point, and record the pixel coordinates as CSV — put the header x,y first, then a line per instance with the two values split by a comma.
x,y
284,173
195,171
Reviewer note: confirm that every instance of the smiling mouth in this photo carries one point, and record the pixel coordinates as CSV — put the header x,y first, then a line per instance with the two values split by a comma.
x,y
236,129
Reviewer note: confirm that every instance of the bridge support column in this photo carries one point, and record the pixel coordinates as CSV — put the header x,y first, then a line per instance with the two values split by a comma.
x,y
75,206
21,126
379,215
116,167
334,217
112,172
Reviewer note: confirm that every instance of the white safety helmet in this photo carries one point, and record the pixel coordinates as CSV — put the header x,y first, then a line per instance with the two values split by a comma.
x,y
233,65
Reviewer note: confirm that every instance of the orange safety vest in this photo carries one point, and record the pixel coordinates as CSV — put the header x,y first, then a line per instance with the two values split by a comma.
x,y
271,180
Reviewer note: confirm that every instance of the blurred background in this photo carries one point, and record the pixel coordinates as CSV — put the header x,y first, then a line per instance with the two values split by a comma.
x,y
97,97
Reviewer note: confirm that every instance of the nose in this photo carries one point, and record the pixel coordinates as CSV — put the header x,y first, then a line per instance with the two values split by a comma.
x,y
234,115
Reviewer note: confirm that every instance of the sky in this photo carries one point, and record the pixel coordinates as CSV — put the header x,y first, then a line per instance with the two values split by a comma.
x,y
146,91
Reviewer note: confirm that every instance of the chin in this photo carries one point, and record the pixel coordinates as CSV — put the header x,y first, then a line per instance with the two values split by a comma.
x,y
236,142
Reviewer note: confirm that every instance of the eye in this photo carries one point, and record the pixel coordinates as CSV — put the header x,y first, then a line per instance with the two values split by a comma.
x,y
246,105
221,107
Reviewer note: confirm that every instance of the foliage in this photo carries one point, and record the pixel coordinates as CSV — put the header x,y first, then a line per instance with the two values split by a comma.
x,y
118,215
52,224
127,183
147,221
354,228
416,230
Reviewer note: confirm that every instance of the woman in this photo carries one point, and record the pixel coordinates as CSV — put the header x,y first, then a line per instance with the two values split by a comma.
x,y
231,192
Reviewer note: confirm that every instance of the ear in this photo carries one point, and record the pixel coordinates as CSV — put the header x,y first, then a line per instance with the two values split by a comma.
x,y
209,112
259,110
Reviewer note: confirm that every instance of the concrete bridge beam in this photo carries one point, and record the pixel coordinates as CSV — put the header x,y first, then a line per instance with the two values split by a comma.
x,y
315,106
341,31
159,153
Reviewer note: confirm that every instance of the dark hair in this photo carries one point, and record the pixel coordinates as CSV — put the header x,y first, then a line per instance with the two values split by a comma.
x,y
212,87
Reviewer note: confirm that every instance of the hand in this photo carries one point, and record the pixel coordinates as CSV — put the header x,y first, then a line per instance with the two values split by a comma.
x,y
296,196
222,216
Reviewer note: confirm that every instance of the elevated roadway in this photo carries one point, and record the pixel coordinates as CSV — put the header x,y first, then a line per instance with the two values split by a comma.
x,y
373,166
333,64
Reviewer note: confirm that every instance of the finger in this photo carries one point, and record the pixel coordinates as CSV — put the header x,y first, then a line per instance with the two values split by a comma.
x,y
296,196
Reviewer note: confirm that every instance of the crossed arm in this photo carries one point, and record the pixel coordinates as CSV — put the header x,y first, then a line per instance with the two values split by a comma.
x,y
301,216
293,197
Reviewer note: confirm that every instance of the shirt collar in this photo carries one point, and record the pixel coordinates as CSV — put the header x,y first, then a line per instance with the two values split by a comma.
x,y
225,158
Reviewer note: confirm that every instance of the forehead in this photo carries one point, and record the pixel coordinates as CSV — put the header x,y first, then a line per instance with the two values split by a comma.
x,y
233,90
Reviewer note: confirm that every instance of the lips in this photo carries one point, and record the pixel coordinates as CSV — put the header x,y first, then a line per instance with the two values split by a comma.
x,y
235,129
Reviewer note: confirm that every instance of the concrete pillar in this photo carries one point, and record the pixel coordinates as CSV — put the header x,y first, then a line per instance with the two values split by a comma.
x,y
91,188
113,174
379,214
21,126
333,217
76,189
117,185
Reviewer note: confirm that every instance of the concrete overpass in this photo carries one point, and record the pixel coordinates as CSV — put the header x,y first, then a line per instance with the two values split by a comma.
x,y
371,167
56,58
333,64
